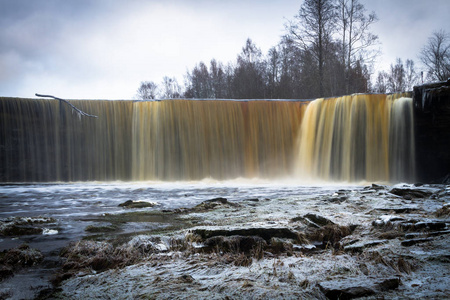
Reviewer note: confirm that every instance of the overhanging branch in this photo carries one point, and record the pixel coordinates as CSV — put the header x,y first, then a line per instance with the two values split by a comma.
x,y
70,104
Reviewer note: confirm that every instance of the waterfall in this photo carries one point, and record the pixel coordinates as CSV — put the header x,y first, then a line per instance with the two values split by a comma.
x,y
357,137
195,139
350,138
42,140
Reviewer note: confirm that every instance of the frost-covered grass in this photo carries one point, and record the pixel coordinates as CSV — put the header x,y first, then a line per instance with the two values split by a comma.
x,y
360,245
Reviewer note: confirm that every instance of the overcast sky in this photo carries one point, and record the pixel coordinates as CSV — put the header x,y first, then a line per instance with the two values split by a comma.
x,y
103,49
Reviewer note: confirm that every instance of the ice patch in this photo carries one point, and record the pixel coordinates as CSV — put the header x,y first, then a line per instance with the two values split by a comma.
x,y
47,231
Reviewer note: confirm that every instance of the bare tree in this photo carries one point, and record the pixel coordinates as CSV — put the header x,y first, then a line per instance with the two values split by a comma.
x,y
217,77
411,76
396,79
356,39
171,88
381,83
435,55
147,90
199,82
248,80
312,30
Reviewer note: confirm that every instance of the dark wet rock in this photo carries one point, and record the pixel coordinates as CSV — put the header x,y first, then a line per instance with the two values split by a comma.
x,y
5,272
18,230
349,292
212,204
136,204
389,222
398,210
265,233
413,225
186,278
387,284
430,225
19,226
342,192
368,191
358,287
217,200
411,242
360,246
252,200
372,189
313,220
101,228
414,235
411,193
339,199
318,220
377,187
445,258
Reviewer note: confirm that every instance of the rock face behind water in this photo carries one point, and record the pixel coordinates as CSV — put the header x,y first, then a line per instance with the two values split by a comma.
x,y
432,131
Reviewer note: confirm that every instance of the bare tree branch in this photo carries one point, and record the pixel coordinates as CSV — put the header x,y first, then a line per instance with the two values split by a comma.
x,y
67,102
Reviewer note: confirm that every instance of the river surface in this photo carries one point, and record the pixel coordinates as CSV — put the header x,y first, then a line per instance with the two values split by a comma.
x,y
74,205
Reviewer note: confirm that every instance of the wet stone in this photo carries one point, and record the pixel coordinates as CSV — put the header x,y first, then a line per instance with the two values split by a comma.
x,y
314,220
423,225
136,204
18,230
212,204
411,242
411,193
5,272
355,288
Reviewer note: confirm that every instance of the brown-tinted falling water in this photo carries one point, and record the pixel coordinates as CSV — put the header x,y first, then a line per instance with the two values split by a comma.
x,y
350,138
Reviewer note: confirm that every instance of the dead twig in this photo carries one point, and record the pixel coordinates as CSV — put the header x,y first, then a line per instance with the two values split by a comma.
x,y
71,105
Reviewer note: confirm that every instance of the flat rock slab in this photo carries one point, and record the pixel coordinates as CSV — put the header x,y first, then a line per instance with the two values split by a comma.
x,y
356,287
411,242
413,192
313,220
360,246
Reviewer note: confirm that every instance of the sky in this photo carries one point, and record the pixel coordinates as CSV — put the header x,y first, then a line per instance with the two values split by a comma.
x,y
104,49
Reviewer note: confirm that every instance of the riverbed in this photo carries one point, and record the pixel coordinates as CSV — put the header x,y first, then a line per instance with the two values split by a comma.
x,y
66,213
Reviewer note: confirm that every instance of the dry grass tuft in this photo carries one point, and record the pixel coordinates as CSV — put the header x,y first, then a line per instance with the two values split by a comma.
x,y
398,264
330,235
444,211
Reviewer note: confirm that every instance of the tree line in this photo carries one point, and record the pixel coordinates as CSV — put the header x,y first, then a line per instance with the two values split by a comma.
x,y
327,50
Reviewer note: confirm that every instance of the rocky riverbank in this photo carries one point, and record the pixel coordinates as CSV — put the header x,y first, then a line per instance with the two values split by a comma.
x,y
371,242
